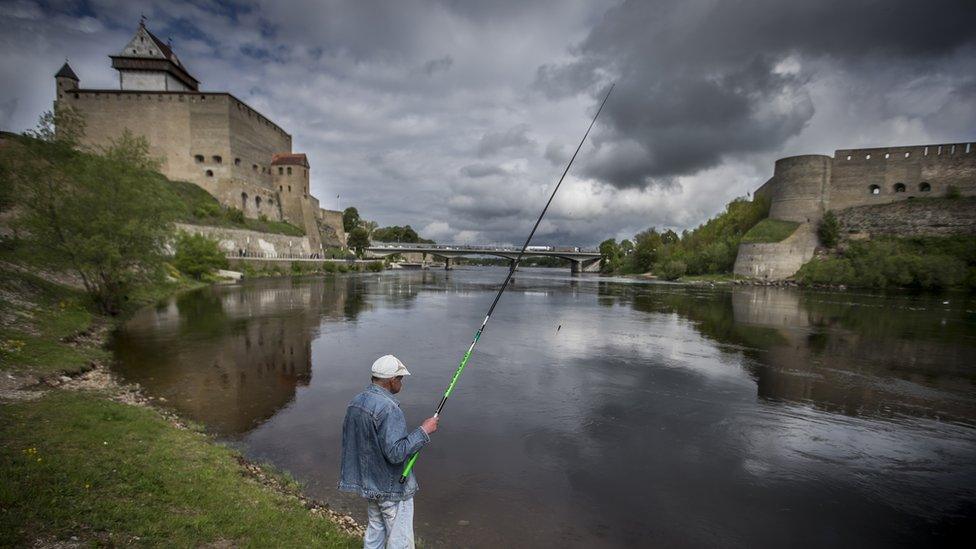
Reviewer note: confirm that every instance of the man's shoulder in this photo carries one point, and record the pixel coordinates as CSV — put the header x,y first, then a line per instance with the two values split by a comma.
x,y
373,401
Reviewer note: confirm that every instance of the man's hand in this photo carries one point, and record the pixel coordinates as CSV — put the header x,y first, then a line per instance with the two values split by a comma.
x,y
430,424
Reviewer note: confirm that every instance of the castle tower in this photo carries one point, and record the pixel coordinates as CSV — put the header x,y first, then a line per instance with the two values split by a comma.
x,y
65,81
147,63
290,178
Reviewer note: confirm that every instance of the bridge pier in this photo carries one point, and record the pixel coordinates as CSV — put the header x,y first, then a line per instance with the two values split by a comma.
x,y
580,266
448,264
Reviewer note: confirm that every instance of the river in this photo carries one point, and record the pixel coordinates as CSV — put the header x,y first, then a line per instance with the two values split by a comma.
x,y
599,412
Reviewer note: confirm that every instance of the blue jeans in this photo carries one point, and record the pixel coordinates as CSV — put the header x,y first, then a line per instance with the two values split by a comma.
x,y
390,524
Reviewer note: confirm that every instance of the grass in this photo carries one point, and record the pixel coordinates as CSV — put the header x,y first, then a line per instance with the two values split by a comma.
x,y
769,230
77,464
37,316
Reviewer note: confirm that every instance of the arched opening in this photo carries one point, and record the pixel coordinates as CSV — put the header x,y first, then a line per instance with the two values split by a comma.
x,y
244,202
899,187
237,161
924,187
874,189
254,167
257,202
198,158
209,173
281,170
289,170
217,159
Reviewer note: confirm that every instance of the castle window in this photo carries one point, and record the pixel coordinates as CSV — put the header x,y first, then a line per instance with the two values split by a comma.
x,y
289,188
887,156
867,157
289,170
924,187
244,201
280,188
280,170
848,157
237,161
875,189
899,187
907,154
209,173
254,167
257,202
217,159
198,158
968,147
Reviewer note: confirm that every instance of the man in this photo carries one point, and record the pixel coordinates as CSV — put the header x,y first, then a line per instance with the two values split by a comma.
x,y
375,445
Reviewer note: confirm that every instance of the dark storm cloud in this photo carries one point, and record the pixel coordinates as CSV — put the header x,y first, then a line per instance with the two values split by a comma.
x,y
698,82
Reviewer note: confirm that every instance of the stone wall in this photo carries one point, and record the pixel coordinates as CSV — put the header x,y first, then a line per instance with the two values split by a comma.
x,y
235,241
777,260
923,217
799,188
331,229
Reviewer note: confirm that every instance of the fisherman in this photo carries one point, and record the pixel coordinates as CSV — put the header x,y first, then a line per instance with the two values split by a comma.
x,y
375,444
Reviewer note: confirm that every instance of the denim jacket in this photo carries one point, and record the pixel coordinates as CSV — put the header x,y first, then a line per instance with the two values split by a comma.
x,y
375,445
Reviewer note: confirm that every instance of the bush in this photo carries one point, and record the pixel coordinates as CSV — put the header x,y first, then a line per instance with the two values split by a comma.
x,y
263,218
234,215
375,266
672,270
198,256
207,209
829,230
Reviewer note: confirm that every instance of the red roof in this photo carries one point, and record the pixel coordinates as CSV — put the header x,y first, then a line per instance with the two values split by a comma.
x,y
294,159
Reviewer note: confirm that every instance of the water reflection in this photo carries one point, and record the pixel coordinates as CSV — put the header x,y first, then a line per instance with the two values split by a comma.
x,y
230,357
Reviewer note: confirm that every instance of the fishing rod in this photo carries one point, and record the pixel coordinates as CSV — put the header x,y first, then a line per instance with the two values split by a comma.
x,y
477,335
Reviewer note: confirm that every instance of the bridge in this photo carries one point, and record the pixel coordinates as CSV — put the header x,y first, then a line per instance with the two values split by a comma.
x,y
581,260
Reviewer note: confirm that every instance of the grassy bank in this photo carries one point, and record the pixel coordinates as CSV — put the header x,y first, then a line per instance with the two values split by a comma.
x,y
769,230
81,466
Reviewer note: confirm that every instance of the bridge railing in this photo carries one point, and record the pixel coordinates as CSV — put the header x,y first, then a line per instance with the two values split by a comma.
x,y
271,255
407,247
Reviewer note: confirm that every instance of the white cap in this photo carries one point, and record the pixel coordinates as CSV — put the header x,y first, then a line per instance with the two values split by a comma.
x,y
388,366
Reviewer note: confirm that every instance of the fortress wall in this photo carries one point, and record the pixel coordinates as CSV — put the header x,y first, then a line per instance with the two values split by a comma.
x,y
777,260
253,139
333,234
856,170
799,188
939,217
254,243
291,189
244,196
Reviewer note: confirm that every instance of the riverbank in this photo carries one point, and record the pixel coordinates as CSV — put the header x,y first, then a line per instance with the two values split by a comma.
x,y
91,460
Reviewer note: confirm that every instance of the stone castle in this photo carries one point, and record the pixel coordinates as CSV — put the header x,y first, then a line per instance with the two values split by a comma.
x,y
852,183
211,139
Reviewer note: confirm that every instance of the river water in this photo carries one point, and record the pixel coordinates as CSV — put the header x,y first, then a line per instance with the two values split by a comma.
x,y
599,412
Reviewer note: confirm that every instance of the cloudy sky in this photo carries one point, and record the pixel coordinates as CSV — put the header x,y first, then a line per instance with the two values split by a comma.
x,y
457,116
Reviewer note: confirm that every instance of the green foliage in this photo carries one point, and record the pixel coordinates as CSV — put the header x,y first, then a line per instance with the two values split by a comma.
x,y
923,262
770,230
375,266
198,256
105,216
350,219
610,256
397,233
234,216
263,218
358,240
829,230
207,209
708,249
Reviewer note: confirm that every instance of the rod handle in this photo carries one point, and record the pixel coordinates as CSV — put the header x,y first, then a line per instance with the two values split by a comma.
x,y
408,467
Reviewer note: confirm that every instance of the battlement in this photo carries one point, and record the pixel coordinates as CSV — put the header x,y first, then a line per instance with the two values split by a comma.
x,y
173,96
937,150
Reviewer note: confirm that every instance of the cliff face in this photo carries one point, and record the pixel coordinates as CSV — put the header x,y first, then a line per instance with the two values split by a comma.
x,y
921,217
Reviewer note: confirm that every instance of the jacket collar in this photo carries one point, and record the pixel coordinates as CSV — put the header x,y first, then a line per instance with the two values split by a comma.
x,y
381,391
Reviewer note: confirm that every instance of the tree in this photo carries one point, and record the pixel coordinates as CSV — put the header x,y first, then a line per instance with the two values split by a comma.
x,y
359,241
105,216
829,230
609,256
198,256
350,219
645,249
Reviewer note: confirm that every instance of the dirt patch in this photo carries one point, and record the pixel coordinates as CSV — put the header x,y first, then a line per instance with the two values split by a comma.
x,y
14,387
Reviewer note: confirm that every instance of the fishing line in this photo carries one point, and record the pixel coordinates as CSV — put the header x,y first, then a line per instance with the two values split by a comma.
x,y
477,335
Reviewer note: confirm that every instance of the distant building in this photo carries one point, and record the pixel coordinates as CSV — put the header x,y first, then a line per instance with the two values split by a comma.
x,y
804,187
211,139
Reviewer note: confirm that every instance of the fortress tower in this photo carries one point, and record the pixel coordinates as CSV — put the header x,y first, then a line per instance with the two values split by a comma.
x,y
212,139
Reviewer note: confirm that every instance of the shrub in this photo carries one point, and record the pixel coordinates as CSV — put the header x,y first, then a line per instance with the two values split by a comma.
x,y
198,256
234,216
375,266
296,268
207,209
829,230
263,218
672,270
